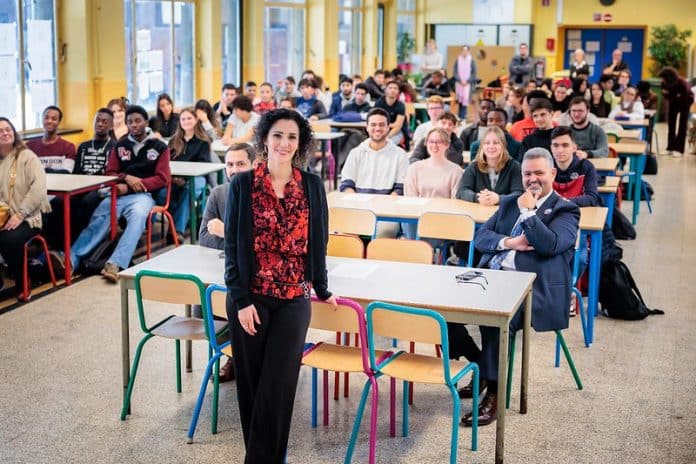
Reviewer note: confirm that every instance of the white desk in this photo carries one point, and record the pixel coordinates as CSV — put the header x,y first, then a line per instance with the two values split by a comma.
x,y
67,185
391,282
190,170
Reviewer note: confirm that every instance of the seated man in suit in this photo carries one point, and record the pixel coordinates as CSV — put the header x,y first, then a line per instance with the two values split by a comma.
x,y
531,232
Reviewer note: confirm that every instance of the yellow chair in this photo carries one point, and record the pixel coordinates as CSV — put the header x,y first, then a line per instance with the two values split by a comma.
x,y
447,226
352,221
408,251
345,246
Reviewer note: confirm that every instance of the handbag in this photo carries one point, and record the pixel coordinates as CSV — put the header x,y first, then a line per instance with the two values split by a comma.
x,y
5,208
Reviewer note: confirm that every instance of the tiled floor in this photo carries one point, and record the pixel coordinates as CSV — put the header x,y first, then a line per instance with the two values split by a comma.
x,y
60,386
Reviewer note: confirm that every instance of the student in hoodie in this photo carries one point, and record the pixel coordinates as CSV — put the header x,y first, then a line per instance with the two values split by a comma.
x,y
308,105
542,115
376,166
343,97
141,163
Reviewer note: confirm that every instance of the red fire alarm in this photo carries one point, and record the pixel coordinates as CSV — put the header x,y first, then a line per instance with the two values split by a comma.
x,y
550,44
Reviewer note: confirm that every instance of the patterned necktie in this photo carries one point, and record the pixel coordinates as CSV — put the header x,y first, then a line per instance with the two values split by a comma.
x,y
496,261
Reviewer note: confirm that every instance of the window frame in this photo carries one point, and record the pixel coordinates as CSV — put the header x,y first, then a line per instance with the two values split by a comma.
x,y
293,5
356,64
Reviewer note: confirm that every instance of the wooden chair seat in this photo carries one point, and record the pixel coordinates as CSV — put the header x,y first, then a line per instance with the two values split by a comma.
x,y
420,368
227,351
337,358
185,328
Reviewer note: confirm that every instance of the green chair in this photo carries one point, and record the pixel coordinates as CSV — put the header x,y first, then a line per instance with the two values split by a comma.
x,y
177,289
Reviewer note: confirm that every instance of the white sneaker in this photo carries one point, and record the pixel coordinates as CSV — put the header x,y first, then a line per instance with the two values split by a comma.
x,y
676,154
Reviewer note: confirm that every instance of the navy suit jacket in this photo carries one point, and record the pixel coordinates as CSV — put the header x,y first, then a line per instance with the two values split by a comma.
x,y
552,232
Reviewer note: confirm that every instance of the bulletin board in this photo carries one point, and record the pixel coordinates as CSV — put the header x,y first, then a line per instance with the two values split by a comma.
x,y
491,62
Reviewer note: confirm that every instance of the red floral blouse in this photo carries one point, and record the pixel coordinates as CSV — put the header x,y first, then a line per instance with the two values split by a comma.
x,y
281,232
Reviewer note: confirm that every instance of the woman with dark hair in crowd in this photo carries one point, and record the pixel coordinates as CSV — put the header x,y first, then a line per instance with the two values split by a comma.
x,y
514,107
579,86
189,143
22,197
679,96
276,230
166,121
209,118
598,105
118,107
560,99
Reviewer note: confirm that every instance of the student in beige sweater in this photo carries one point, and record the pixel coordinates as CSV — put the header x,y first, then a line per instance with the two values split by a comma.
x,y
23,189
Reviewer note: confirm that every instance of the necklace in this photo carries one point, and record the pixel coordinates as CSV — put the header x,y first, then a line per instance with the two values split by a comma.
x,y
103,147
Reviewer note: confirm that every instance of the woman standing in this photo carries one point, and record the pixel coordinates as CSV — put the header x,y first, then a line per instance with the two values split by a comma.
x,y
166,121
190,143
276,227
464,80
579,66
23,190
493,173
680,97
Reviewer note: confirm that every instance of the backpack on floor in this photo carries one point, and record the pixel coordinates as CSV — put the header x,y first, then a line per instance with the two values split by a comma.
x,y
95,262
621,226
619,295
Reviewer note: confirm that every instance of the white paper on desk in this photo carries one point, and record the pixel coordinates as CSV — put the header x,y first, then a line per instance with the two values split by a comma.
x,y
42,95
352,271
412,201
8,38
357,198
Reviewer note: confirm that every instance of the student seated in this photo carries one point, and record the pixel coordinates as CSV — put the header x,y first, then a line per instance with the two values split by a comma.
x,y
435,176
23,190
437,85
56,154
590,138
498,117
141,163
250,91
265,103
454,149
210,120
223,107
375,84
435,108
189,143
118,107
629,108
308,104
238,158
560,99
344,96
599,106
526,126
541,111
471,133
165,122
242,124
395,109
286,88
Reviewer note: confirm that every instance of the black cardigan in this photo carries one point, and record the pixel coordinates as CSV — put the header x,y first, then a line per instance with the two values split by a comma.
x,y
239,248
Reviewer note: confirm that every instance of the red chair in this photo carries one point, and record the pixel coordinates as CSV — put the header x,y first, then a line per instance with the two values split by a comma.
x,y
26,290
164,211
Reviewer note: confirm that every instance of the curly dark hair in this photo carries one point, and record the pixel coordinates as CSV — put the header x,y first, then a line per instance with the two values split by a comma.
x,y
268,120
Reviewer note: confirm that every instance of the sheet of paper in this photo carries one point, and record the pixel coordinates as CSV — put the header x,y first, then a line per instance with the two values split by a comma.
x,y
8,101
574,34
590,59
8,71
156,82
8,38
592,46
357,198
142,40
574,44
40,52
143,86
412,201
155,60
352,271
42,95
625,47
143,62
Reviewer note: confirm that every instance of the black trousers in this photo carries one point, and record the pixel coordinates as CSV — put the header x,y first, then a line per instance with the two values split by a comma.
x,y
461,344
81,209
12,250
676,136
267,367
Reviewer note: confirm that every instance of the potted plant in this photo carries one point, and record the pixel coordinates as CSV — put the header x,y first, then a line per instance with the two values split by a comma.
x,y
668,47
406,44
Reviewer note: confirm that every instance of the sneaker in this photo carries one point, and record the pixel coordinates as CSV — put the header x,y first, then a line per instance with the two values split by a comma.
x,y
110,272
58,262
573,307
677,154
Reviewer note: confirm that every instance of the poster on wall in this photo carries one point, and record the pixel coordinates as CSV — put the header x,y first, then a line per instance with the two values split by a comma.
x,y
494,11
40,54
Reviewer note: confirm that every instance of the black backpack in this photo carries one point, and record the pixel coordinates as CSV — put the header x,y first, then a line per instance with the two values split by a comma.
x,y
619,295
95,262
621,226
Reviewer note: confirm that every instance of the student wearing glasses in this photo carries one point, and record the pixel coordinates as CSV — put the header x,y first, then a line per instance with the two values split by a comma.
x,y
630,108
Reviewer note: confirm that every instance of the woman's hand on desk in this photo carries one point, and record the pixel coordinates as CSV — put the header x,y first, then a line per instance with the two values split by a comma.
x,y
247,317
488,198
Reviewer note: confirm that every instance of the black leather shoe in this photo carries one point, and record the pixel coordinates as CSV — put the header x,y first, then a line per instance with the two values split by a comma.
x,y
487,412
468,391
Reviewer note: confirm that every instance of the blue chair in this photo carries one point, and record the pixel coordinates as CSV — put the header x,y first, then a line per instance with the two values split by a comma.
x,y
425,326
220,344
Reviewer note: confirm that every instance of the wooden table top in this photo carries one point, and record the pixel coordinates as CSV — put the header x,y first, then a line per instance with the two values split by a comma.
x,y
610,185
70,182
604,164
629,133
632,147
593,217
194,168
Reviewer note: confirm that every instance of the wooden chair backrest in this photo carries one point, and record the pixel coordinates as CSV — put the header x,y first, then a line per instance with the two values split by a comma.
x,y
403,326
321,127
612,138
325,317
408,251
345,246
446,226
168,290
218,303
352,221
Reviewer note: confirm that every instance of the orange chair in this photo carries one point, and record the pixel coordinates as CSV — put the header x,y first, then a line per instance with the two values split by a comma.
x,y
164,211
26,291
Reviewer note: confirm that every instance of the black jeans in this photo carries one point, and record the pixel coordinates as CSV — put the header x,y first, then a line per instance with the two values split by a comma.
x,y
12,250
267,367
676,137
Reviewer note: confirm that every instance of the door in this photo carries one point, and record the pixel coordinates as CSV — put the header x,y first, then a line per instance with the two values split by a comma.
x,y
599,45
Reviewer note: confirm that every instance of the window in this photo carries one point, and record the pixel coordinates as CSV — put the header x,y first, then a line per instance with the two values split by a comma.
x,y
159,50
26,90
285,40
349,36
405,29
231,60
